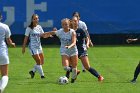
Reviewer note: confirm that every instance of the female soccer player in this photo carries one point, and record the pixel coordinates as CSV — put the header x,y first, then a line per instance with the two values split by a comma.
x,y
82,45
68,49
4,58
83,26
137,70
33,32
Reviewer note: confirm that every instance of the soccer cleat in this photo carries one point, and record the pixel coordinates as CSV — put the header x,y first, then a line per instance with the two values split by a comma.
x,y
32,74
72,80
42,77
83,70
78,72
133,81
100,78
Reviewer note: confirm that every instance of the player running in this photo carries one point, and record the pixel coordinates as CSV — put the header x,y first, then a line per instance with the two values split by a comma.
x,y
83,26
68,49
82,45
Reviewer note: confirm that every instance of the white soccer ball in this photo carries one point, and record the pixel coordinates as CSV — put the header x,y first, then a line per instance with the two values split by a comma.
x,y
63,80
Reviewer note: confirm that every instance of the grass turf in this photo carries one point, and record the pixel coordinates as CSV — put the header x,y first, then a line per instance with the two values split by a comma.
x,y
115,63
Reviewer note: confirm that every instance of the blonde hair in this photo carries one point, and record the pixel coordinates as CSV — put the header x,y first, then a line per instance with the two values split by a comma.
x,y
65,19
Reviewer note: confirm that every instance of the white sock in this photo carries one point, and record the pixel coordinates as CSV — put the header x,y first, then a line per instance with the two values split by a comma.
x,y
34,69
74,73
67,68
4,82
40,70
83,68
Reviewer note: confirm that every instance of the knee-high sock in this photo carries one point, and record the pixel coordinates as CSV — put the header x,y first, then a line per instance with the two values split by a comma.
x,y
83,68
40,70
35,68
67,68
4,82
93,72
74,73
137,71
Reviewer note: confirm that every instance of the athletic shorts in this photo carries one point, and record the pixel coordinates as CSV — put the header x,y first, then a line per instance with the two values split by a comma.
x,y
69,52
82,53
35,51
4,59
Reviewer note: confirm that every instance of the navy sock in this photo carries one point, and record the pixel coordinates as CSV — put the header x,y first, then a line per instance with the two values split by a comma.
x,y
93,72
137,71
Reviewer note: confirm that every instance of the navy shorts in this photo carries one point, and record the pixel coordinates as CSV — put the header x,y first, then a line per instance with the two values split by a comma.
x,y
82,53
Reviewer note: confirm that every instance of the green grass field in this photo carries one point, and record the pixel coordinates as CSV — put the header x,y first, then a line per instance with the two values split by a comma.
x,y
115,63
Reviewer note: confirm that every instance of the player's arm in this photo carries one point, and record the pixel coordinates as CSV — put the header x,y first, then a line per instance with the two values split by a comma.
x,y
48,34
73,41
87,32
87,42
7,35
10,42
131,40
24,44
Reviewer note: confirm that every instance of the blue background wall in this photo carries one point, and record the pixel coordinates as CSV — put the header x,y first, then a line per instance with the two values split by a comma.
x,y
101,16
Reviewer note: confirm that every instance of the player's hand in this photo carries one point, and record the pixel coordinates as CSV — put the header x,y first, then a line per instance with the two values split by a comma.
x,y
54,29
90,44
129,40
23,50
13,44
46,35
68,47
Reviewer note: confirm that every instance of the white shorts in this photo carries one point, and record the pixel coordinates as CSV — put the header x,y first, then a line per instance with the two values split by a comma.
x,y
70,55
35,51
70,52
4,59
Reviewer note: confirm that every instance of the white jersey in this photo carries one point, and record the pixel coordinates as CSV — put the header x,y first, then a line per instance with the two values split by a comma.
x,y
4,33
34,36
82,25
66,39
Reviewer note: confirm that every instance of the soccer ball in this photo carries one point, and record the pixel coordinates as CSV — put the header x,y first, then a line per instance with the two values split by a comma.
x,y
63,80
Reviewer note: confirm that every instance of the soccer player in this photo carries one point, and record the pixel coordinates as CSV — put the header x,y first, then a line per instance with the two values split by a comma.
x,y
4,58
83,26
68,49
33,32
82,45
137,70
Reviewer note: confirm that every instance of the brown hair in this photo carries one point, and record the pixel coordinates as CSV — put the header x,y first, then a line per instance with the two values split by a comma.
x,y
31,24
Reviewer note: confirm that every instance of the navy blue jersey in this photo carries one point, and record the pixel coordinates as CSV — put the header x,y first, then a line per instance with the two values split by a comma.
x,y
81,40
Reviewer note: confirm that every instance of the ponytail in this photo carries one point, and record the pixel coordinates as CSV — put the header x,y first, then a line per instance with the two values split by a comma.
x,y
31,25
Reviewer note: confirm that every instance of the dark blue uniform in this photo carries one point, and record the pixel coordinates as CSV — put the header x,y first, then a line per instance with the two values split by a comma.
x,y
81,42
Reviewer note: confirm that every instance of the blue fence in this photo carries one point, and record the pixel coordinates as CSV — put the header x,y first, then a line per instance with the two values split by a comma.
x,y
101,16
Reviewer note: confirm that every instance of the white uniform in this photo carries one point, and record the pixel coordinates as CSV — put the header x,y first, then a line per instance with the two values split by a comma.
x,y
4,33
34,37
82,25
66,39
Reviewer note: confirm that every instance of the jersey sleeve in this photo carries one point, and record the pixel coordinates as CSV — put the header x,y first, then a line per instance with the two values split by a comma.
x,y
27,32
58,32
41,29
8,32
84,26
